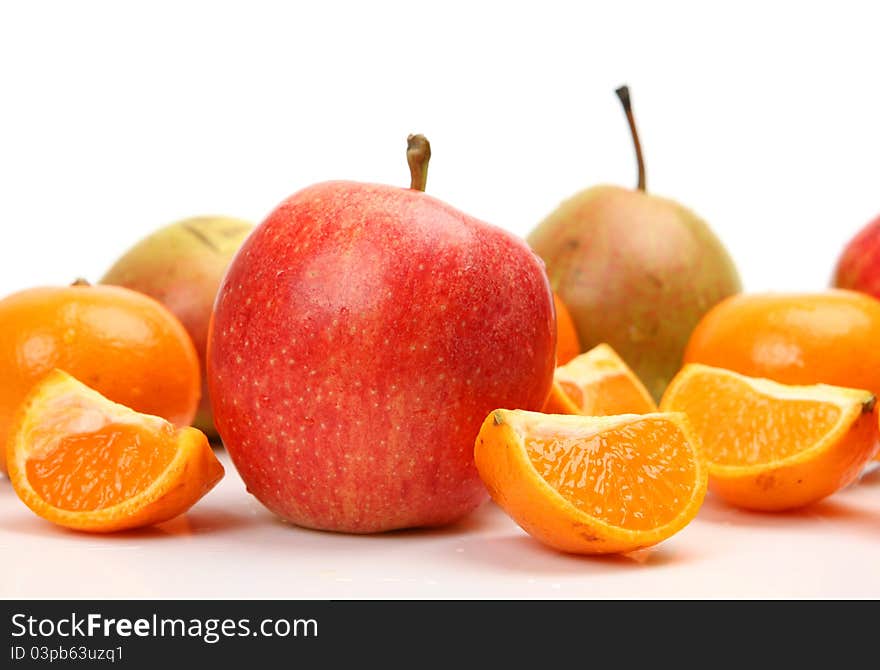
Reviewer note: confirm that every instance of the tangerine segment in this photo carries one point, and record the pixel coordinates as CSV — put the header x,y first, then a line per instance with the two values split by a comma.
x,y
57,474
771,446
84,462
598,383
592,485
560,402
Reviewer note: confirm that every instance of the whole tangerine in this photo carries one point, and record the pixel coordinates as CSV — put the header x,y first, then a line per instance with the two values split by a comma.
x,y
568,345
829,337
121,343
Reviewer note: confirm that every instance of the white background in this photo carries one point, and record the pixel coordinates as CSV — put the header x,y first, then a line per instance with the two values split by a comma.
x,y
116,118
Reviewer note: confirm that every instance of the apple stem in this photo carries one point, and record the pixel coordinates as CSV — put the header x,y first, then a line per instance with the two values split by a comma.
x,y
623,94
79,281
418,154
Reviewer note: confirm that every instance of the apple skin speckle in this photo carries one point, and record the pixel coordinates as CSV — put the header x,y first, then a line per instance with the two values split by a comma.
x,y
402,323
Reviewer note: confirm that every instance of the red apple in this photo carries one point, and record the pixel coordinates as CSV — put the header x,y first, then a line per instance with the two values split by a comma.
x,y
859,265
360,337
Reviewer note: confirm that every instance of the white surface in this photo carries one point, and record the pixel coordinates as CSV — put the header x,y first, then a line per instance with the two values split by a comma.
x,y
228,546
119,118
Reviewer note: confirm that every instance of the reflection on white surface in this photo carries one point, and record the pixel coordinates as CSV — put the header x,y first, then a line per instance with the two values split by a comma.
x,y
228,546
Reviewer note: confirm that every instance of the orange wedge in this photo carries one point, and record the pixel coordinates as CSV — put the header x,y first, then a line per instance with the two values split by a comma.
x,y
598,383
771,446
84,462
592,485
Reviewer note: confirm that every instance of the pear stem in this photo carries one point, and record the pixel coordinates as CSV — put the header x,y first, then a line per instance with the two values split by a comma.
x,y
623,94
418,155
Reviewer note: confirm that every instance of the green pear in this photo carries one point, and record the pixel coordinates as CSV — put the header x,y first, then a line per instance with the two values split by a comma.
x,y
636,271
181,266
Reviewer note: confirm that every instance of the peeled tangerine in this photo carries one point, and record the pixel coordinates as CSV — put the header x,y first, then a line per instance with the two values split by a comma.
x,y
84,462
593,485
771,446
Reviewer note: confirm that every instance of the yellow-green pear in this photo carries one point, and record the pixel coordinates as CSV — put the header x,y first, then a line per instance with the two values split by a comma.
x,y
636,271
181,266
